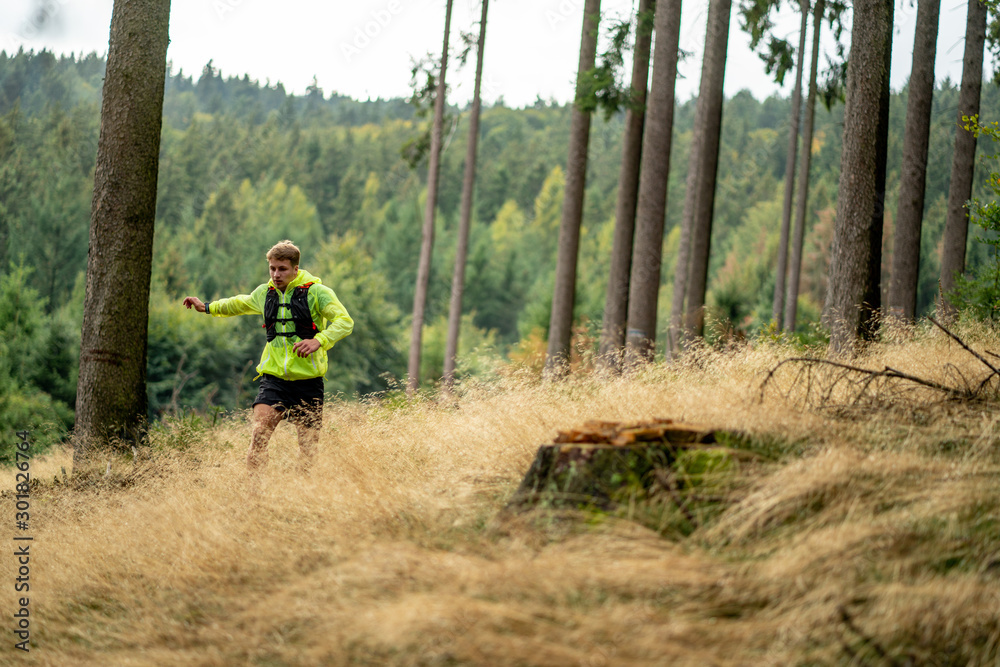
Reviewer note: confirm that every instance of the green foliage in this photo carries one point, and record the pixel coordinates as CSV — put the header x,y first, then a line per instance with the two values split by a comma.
x,y
28,409
778,59
37,365
181,430
778,54
980,293
604,87
993,37
477,353
365,361
198,361
756,20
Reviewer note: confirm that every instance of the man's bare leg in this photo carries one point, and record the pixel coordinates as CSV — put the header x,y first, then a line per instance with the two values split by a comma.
x,y
265,420
308,437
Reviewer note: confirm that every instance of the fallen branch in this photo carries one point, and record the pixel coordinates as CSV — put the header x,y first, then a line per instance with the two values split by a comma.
x,y
887,372
966,347
962,389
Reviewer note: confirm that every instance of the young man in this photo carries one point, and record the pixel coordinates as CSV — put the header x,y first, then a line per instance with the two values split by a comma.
x,y
303,319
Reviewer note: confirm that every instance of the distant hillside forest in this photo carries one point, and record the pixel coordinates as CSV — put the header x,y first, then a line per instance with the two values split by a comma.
x,y
244,165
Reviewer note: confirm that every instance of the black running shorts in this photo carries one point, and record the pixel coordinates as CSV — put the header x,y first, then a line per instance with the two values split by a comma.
x,y
301,401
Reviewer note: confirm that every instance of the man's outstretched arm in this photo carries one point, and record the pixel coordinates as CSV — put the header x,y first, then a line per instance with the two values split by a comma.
x,y
242,304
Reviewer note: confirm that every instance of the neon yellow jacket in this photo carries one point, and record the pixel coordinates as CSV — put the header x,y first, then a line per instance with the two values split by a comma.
x,y
279,359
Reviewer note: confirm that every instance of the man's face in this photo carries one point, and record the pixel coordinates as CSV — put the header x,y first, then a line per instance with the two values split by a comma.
x,y
282,272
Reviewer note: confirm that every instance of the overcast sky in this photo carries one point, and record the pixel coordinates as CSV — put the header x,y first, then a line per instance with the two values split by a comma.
x,y
364,48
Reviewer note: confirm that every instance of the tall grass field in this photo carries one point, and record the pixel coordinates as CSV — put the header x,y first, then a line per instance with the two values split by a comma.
x,y
860,525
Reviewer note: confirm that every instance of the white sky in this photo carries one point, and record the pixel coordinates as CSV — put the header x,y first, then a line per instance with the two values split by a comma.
x,y
364,48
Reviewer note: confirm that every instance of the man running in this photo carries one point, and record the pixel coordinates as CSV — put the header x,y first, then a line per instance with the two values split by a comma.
x,y
303,319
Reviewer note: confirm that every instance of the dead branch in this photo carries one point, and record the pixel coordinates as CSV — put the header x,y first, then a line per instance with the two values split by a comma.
x,y
966,347
881,385
868,377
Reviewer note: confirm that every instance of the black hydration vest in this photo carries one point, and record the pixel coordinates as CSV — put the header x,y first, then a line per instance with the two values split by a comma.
x,y
300,315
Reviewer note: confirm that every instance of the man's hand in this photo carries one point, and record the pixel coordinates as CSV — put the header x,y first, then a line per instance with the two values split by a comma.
x,y
194,302
306,347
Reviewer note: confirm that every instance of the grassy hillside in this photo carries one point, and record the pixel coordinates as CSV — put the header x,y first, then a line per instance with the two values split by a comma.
x,y
861,528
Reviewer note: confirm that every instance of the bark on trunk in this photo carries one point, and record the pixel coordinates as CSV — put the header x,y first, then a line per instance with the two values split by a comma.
x,y
793,151
111,390
427,240
910,213
956,229
468,186
616,302
708,126
564,294
647,248
802,201
871,305
852,248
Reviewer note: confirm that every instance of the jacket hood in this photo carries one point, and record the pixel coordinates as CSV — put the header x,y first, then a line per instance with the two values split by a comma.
x,y
302,278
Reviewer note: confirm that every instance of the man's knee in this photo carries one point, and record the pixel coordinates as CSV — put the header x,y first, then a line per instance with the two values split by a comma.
x,y
266,417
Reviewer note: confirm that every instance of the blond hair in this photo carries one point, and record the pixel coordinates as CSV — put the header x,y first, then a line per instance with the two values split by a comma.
x,y
284,250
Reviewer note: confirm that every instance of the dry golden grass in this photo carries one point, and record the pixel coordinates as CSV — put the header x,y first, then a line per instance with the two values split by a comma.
x,y
864,536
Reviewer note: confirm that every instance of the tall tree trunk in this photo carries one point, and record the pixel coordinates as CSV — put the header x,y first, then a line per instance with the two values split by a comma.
x,y
856,196
705,163
793,150
111,390
871,304
616,301
910,214
564,294
956,228
468,185
647,248
427,241
802,200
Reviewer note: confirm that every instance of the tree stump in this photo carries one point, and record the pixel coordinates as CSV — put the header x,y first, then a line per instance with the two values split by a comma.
x,y
604,464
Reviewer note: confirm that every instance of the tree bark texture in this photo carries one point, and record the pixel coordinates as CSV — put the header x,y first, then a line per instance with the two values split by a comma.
x,y
111,390
705,163
802,199
956,228
468,186
647,247
852,243
871,304
792,157
616,301
910,212
564,294
427,239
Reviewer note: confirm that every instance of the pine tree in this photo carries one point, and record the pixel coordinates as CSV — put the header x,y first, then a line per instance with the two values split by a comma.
x,y
564,294
691,277
793,145
852,249
616,301
468,185
910,213
647,248
963,163
427,242
111,392
802,199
